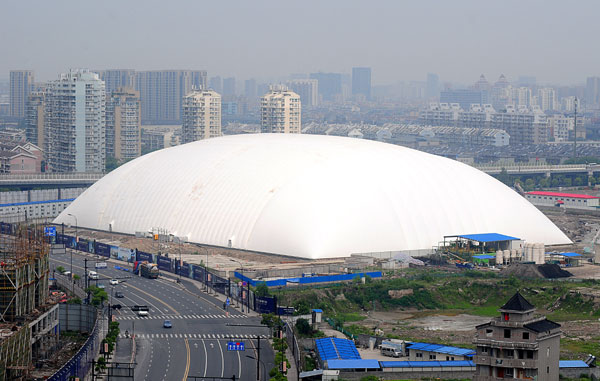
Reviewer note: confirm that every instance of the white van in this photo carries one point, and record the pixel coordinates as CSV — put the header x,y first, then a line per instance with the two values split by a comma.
x,y
101,265
390,350
93,275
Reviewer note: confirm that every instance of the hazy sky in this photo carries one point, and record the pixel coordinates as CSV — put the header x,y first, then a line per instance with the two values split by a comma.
x,y
556,41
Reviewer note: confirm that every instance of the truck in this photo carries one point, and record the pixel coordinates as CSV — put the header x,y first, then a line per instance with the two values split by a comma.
x,y
145,269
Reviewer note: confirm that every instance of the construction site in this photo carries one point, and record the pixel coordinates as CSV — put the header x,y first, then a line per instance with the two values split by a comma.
x,y
28,317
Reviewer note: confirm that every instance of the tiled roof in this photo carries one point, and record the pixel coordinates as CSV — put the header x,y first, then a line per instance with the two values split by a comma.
x,y
517,303
542,326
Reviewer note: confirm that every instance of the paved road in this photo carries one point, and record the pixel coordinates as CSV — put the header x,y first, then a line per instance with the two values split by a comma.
x,y
196,345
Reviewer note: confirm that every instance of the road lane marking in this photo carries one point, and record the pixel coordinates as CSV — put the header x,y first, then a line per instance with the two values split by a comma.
x,y
240,366
205,358
187,365
222,359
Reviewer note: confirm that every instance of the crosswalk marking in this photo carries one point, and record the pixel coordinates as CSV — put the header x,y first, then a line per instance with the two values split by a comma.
x,y
176,317
199,336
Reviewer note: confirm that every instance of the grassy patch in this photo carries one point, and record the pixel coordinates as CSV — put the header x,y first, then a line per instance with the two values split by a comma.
x,y
580,348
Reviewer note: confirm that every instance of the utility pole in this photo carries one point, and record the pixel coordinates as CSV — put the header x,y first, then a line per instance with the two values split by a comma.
x,y
575,131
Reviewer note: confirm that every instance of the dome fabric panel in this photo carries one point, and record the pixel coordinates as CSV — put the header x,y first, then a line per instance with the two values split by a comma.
x,y
310,196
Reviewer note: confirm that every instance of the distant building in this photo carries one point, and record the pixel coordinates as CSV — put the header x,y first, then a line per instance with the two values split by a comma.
x,y
229,87
250,88
432,89
592,92
465,98
308,89
524,125
123,124
361,82
280,111
21,158
440,114
161,92
34,119
117,78
547,99
478,116
329,84
201,116
521,96
21,83
518,345
216,84
75,123
560,127
567,200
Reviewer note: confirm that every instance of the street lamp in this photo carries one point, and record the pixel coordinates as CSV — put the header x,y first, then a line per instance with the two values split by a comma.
x,y
264,367
76,240
206,270
241,272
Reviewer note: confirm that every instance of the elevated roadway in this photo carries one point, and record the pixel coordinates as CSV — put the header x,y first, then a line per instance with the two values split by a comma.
x,y
87,179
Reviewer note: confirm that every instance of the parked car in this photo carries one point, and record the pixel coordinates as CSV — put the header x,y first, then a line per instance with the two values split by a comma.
x,y
119,294
167,324
143,313
114,282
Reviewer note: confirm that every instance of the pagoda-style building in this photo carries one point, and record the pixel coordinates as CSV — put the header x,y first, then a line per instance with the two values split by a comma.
x,y
517,344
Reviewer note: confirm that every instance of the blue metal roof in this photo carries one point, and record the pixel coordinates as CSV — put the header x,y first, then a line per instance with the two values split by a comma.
x,y
37,202
425,364
572,364
438,348
334,348
570,255
353,364
488,237
484,256
317,310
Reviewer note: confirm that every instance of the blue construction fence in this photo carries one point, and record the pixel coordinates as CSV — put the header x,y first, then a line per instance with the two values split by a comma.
x,y
237,292
309,280
80,364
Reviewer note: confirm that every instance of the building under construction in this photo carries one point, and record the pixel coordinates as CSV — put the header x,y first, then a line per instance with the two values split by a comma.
x,y
28,322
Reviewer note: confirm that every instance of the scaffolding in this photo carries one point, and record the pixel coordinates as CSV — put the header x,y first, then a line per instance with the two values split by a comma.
x,y
24,272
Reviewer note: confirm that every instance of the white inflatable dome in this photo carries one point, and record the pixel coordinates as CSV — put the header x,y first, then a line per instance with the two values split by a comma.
x,y
309,196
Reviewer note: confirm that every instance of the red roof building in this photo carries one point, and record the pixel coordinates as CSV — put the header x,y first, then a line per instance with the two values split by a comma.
x,y
567,200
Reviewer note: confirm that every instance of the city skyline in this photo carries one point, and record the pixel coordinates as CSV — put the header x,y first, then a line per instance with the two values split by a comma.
x,y
399,41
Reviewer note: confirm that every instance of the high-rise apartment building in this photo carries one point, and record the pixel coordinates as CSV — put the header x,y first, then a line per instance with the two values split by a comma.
x,y
521,96
123,124
216,83
308,89
280,111
547,99
465,98
75,123
592,93
229,87
330,85
250,88
517,345
201,116
361,81
432,89
161,93
21,83
117,78
34,118
525,125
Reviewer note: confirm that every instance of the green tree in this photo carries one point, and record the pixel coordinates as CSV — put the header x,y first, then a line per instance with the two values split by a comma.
x,y
555,182
262,290
504,177
111,163
529,184
578,181
60,269
303,327
592,180
544,182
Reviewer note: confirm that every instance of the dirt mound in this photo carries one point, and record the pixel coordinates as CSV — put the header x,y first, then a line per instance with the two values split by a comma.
x,y
530,270
553,271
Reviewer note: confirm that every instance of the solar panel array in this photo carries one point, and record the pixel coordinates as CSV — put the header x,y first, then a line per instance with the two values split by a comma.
x,y
338,349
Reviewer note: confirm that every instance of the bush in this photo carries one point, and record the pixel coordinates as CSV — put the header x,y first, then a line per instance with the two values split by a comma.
x,y
262,290
60,269
303,327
